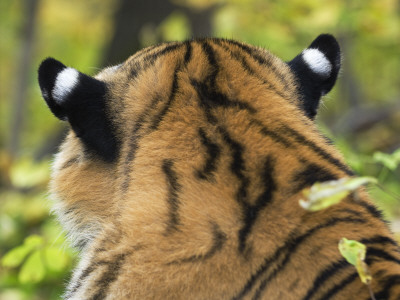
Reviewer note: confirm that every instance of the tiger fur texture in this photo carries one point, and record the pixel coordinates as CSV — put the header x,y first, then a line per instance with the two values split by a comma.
x,y
182,172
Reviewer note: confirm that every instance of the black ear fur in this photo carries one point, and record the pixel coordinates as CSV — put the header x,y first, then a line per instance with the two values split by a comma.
x,y
81,100
316,70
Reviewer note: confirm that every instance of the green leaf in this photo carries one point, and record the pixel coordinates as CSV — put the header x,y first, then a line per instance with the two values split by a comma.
x,y
321,195
354,252
351,250
56,259
32,270
15,256
390,161
33,241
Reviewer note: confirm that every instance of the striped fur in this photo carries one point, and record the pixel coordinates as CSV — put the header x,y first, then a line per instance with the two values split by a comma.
x,y
199,199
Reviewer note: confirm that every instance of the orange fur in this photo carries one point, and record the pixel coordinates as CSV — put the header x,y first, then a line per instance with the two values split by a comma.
x,y
136,249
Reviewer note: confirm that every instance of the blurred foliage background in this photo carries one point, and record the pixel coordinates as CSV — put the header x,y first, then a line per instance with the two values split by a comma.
x,y
362,114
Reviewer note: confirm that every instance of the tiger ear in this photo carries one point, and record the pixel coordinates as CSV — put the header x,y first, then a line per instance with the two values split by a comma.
x,y
316,70
79,99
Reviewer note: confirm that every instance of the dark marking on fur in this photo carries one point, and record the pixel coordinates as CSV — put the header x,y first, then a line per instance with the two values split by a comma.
x,y
282,255
326,275
251,212
299,138
310,174
271,134
173,189
219,239
84,274
374,253
237,165
70,162
380,239
174,87
149,60
372,210
339,287
210,54
238,56
388,283
109,276
139,130
208,91
263,61
188,54
213,155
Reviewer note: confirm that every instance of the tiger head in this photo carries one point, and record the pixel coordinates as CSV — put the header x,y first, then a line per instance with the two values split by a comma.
x,y
185,106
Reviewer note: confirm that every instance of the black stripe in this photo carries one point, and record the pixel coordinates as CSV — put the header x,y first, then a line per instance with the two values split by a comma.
x,y
136,67
310,174
380,239
212,98
338,287
379,254
237,165
137,132
152,57
208,91
251,212
242,60
272,134
204,101
210,54
173,189
174,88
388,282
376,213
238,57
85,273
288,249
213,155
188,54
219,239
132,149
133,146
303,141
109,276
264,61
144,51
334,268
325,275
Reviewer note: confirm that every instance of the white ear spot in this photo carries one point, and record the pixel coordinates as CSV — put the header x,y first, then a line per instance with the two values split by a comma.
x,y
65,82
317,62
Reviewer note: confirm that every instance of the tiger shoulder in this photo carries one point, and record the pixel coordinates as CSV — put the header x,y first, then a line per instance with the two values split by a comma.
x,y
182,172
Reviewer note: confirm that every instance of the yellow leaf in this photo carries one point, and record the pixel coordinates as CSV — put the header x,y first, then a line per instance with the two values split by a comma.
x,y
324,194
354,252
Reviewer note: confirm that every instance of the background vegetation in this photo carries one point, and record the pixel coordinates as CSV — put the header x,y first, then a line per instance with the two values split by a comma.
x,y
362,114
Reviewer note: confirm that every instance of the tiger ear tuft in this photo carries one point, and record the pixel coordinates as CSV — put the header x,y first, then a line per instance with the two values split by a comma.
x,y
81,100
316,70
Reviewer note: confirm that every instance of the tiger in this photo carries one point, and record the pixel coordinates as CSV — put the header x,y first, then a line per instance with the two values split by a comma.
x,y
182,172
